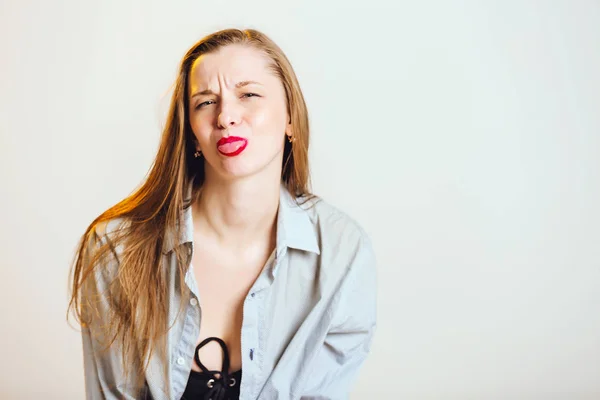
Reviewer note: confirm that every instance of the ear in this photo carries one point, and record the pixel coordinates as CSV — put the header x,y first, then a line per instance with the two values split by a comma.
x,y
197,145
288,129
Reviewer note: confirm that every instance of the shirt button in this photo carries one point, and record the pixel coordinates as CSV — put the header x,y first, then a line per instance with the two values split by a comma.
x,y
180,361
193,301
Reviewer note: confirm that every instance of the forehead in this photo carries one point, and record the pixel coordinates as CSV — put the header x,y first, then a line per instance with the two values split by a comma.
x,y
231,64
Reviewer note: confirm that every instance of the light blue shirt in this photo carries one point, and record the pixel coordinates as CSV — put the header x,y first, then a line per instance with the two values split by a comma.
x,y
308,320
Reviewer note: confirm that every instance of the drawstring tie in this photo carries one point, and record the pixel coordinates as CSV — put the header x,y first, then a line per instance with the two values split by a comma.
x,y
220,381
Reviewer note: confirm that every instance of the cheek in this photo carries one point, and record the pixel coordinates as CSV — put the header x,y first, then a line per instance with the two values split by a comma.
x,y
201,128
269,121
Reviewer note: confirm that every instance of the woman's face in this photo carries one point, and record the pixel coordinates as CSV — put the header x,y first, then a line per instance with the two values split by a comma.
x,y
238,112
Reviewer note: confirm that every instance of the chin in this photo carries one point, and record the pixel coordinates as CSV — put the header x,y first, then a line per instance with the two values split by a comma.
x,y
243,167
230,169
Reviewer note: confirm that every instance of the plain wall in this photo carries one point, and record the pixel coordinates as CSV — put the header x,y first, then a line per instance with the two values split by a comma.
x,y
463,135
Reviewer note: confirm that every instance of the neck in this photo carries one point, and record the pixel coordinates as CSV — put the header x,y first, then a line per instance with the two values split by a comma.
x,y
238,212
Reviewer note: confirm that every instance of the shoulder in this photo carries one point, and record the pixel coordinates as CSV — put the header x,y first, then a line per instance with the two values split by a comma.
x,y
335,225
342,240
104,247
106,231
347,261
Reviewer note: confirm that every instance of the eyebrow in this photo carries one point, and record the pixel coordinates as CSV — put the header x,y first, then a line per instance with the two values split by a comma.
x,y
237,85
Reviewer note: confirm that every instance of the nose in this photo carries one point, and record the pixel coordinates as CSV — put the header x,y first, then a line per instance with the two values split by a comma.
x,y
229,116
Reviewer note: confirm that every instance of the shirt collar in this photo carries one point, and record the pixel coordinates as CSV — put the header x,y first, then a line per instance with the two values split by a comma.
x,y
294,227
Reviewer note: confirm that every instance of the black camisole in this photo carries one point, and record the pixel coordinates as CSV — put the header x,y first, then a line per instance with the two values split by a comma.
x,y
213,385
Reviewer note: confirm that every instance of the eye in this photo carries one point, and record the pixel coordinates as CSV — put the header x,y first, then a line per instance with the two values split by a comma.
x,y
205,103
250,95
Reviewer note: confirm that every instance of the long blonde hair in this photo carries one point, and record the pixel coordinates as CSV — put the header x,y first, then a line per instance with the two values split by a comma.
x,y
138,294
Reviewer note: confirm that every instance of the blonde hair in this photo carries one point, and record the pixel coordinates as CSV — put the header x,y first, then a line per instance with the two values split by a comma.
x,y
138,294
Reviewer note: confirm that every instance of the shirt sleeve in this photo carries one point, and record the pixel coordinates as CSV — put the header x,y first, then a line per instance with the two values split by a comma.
x,y
349,338
102,368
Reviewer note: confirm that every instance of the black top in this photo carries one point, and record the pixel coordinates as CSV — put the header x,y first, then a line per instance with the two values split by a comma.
x,y
213,385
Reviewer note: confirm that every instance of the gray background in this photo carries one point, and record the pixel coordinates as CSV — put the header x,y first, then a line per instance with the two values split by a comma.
x,y
463,136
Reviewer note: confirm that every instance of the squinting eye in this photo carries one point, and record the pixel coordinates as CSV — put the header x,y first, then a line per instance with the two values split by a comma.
x,y
203,104
250,95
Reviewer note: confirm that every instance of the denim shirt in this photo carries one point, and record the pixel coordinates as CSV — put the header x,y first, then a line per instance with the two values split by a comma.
x,y
308,319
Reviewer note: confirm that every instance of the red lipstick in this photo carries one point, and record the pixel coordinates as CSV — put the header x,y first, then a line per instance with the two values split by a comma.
x,y
232,145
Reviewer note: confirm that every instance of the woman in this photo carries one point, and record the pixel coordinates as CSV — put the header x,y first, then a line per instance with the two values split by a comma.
x,y
222,277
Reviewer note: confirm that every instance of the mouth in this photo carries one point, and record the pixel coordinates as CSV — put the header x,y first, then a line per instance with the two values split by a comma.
x,y
232,145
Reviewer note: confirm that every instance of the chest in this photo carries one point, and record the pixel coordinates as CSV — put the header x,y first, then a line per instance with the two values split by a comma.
x,y
223,284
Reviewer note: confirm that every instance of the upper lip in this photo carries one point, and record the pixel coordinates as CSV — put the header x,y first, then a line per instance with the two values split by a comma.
x,y
229,139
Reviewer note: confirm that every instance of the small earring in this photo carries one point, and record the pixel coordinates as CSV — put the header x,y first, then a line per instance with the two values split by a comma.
x,y
290,139
197,154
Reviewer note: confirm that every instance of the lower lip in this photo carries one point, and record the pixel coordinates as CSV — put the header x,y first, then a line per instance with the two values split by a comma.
x,y
232,149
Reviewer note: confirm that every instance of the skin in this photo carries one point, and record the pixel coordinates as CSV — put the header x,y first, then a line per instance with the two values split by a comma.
x,y
234,220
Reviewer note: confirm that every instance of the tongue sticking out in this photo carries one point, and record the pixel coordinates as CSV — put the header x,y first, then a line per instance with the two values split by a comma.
x,y
230,147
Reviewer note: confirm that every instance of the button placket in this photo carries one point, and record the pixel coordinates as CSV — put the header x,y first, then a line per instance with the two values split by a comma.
x,y
182,362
